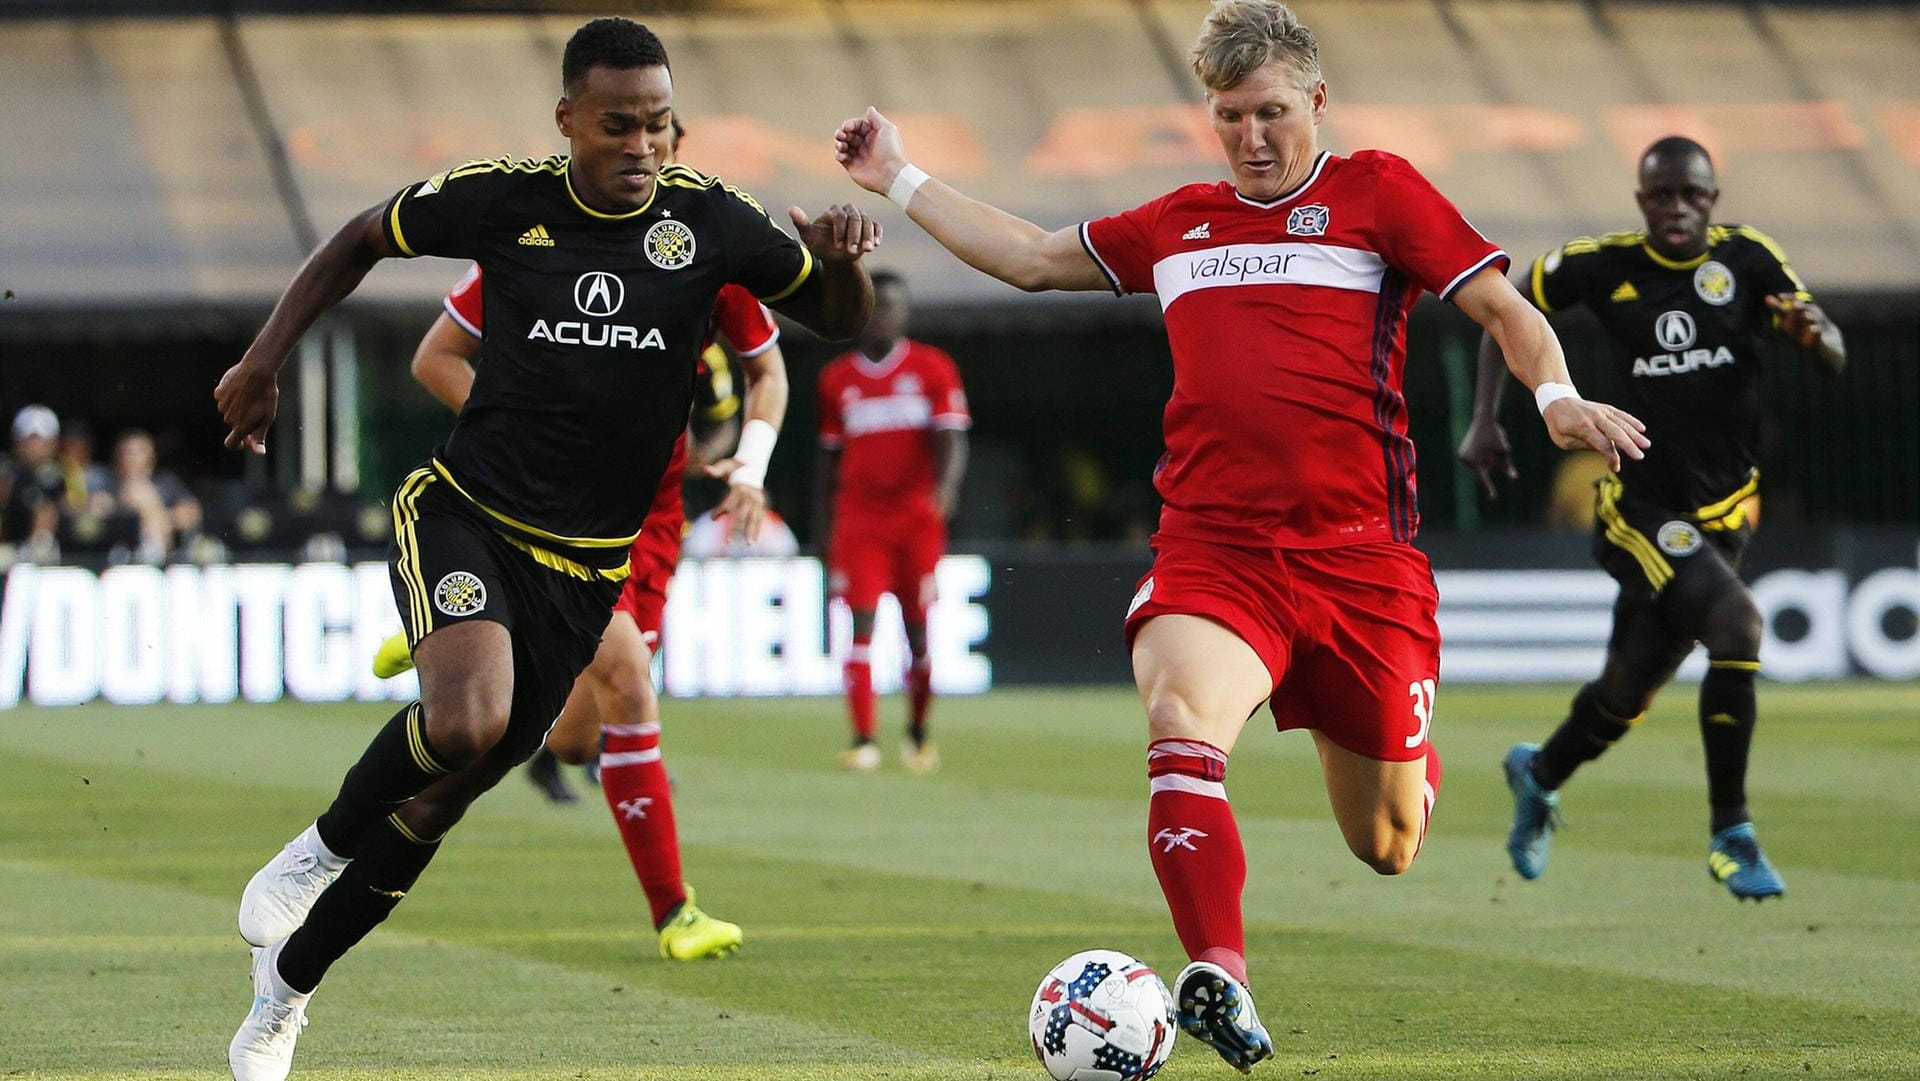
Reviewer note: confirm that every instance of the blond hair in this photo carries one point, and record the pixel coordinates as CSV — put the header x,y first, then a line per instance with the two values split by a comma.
x,y
1239,36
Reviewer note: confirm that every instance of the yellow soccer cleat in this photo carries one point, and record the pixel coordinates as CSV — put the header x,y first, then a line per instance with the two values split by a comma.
x,y
690,934
393,657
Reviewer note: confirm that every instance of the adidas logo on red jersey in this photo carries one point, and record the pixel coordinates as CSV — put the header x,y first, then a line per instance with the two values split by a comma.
x,y
1198,232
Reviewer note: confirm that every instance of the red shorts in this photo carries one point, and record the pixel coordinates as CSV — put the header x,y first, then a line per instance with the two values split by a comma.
x,y
1348,633
874,556
655,552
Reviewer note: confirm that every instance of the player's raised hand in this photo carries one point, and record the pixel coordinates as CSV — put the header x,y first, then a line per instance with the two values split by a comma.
x,y
841,234
1576,423
745,506
1800,322
869,148
1485,451
248,397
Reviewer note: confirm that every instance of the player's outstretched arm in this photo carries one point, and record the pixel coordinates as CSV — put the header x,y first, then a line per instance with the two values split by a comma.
x,y
248,395
986,238
443,362
745,472
1806,325
1534,357
837,307
1484,449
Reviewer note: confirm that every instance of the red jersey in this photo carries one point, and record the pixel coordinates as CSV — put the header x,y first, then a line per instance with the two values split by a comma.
x,y
881,416
1287,319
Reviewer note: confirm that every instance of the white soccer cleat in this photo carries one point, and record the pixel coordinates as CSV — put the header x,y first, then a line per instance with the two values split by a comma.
x,y
862,759
263,1048
279,896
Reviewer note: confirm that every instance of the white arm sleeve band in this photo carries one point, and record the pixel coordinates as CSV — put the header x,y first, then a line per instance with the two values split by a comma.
x,y
757,438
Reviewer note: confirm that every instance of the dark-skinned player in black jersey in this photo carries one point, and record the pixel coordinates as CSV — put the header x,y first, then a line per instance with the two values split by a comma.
x,y
601,269
1686,305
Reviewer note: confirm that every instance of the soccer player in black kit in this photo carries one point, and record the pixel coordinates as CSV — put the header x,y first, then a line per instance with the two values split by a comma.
x,y
1686,306
510,542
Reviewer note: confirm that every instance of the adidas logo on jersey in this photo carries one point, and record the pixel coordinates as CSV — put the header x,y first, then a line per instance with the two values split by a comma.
x,y
536,237
1198,232
1625,293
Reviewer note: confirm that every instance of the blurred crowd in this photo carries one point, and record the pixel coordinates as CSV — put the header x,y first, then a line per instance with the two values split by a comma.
x,y
61,502
56,495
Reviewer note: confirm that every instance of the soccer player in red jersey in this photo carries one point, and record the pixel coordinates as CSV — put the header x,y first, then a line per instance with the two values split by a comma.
x,y
893,447
1283,567
613,713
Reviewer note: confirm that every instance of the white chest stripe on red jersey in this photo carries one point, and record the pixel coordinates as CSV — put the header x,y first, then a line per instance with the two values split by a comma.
x,y
899,412
1326,265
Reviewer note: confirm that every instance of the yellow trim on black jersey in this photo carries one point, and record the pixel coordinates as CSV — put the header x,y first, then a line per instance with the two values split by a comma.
x,y
1800,292
1676,264
411,837
800,279
1623,536
393,223
573,542
406,539
654,193
1721,508
1539,278
571,567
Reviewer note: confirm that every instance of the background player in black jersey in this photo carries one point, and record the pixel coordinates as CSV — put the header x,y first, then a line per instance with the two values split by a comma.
x,y
600,271
1686,305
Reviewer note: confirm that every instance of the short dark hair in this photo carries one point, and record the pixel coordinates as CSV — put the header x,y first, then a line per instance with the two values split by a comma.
x,y
1676,147
884,278
613,42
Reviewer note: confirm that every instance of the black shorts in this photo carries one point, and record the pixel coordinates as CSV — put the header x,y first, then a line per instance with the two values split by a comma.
x,y
1671,570
448,565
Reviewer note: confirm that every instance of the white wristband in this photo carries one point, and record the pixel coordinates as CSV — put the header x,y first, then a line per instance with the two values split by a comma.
x,y
756,449
905,184
1546,394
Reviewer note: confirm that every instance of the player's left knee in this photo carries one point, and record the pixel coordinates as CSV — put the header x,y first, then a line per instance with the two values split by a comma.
x,y
1734,628
1390,851
575,748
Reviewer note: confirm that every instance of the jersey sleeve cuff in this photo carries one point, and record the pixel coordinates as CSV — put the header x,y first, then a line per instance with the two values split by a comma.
x,y
1086,241
453,313
952,422
1460,279
831,442
390,224
800,279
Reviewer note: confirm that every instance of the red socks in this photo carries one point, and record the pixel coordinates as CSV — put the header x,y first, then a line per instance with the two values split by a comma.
x,y
858,676
919,695
634,780
1196,850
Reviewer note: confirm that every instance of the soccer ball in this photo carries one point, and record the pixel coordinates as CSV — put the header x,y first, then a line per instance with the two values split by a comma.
x,y
1101,1015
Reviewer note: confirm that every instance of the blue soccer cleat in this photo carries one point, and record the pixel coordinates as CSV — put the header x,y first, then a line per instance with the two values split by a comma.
x,y
1535,812
1736,862
1214,1007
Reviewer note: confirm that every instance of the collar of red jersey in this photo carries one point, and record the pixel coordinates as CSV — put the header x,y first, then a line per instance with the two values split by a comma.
x,y
1319,166
885,364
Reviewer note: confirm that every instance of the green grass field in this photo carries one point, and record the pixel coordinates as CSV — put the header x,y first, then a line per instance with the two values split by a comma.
x,y
897,925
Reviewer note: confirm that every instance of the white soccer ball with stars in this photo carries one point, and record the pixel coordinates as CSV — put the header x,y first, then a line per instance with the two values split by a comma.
x,y
1101,1015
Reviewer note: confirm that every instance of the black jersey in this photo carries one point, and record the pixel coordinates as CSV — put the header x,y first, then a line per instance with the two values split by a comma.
x,y
1685,340
594,325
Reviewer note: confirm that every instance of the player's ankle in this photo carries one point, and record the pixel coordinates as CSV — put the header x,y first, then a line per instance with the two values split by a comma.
x,y
1233,961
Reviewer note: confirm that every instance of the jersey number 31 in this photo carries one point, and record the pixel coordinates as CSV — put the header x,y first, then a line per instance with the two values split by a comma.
x,y
1422,692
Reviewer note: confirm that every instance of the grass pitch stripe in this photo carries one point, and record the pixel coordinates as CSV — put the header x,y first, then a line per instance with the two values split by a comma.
x,y
417,744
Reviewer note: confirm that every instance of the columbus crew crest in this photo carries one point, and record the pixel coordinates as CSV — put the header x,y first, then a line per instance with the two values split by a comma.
x,y
1678,538
460,594
669,244
1714,282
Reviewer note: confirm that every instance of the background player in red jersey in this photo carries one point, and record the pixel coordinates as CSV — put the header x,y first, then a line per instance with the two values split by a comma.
x,y
893,447
1283,566
613,714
